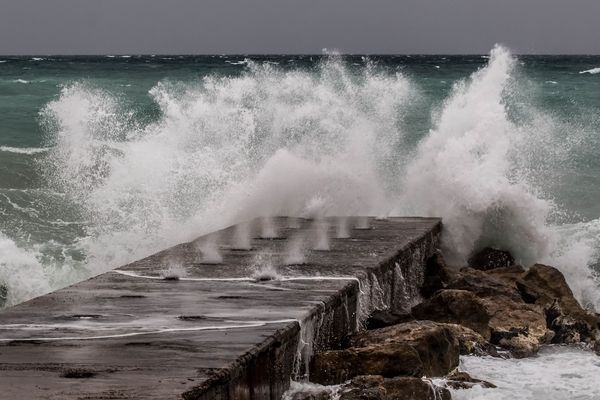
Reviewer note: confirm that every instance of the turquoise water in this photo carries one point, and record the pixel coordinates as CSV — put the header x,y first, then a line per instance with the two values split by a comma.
x,y
107,159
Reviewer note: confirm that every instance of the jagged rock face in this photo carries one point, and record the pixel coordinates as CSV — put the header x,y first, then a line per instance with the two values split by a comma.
x,y
516,326
490,258
378,388
456,307
546,287
462,380
408,349
337,366
484,284
437,275
382,318
436,344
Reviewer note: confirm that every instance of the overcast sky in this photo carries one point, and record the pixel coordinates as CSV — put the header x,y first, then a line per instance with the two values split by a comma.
x,y
297,26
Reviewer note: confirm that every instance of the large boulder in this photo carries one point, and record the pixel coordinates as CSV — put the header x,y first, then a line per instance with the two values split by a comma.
x,y
546,287
456,307
485,284
490,258
409,349
436,344
437,275
379,388
337,366
516,326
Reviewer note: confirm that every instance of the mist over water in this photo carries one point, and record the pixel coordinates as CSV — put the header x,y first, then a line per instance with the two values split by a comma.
x,y
329,139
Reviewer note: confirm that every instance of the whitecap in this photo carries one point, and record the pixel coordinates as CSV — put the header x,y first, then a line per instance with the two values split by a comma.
x,y
24,150
592,71
20,81
37,59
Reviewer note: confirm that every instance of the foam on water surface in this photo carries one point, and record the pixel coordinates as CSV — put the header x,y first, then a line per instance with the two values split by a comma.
x,y
557,373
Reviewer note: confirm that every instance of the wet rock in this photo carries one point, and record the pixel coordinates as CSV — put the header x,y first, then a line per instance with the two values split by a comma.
x,y
322,395
337,366
490,258
546,286
382,318
456,307
437,275
436,344
462,380
471,342
516,326
485,284
409,349
378,388
365,387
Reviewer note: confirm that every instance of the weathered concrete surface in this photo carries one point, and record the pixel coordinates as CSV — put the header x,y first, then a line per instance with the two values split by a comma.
x,y
215,333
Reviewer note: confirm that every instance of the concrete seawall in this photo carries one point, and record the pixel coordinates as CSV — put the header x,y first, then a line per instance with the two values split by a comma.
x,y
175,325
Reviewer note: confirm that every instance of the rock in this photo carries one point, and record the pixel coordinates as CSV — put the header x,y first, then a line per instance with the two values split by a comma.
x,y
435,343
365,387
490,258
471,342
337,366
546,286
378,388
414,389
462,380
456,307
322,395
485,284
382,318
409,349
516,326
437,275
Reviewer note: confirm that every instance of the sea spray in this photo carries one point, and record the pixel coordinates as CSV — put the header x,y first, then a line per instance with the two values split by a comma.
x,y
267,140
342,230
208,248
321,235
295,253
362,223
242,236
268,228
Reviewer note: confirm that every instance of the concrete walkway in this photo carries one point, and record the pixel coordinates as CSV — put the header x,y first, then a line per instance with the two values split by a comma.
x,y
175,325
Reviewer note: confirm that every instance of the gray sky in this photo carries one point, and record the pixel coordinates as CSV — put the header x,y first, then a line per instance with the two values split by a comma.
x,y
297,26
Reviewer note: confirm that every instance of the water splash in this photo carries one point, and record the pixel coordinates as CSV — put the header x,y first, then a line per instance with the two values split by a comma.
x,y
242,237
342,229
321,235
296,250
209,250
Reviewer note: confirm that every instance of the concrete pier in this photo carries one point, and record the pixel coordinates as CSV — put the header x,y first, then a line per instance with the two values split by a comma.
x,y
176,325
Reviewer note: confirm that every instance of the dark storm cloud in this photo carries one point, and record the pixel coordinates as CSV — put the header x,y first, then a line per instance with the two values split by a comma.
x,y
297,26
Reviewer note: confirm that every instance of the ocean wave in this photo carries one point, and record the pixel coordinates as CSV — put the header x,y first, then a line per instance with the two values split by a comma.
x,y
24,150
273,141
592,71
21,81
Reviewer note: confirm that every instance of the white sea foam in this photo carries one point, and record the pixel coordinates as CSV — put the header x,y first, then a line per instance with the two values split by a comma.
x,y
21,81
592,71
24,150
21,272
557,373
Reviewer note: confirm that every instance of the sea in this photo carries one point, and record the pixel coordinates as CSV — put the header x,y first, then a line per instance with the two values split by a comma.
x,y
106,159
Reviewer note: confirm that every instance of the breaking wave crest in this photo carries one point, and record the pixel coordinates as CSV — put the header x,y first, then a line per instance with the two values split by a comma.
x,y
277,141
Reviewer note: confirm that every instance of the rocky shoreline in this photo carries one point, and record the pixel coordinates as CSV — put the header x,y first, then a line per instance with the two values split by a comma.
x,y
490,308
